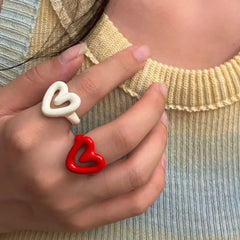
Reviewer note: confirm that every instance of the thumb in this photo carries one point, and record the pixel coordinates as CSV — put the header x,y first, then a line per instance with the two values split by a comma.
x,y
29,88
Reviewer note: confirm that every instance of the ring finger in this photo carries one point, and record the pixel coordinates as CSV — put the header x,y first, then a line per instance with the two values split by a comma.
x,y
124,176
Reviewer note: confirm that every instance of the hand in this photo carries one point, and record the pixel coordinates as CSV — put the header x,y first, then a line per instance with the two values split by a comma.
x,y
37,192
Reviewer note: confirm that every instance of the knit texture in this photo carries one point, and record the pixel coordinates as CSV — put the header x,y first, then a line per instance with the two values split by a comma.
x,y
17,21
201,197
190,90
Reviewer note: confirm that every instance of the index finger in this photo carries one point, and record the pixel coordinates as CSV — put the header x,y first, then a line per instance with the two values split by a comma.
x,y
96,82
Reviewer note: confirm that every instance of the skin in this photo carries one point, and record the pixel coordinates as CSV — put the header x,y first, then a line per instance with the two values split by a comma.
x,y
40,194
37,192
181,33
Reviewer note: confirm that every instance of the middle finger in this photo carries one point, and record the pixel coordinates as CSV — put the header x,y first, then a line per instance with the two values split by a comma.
x,y
118,138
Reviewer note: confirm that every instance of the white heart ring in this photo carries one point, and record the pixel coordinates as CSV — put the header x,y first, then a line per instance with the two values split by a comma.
x,y
62,97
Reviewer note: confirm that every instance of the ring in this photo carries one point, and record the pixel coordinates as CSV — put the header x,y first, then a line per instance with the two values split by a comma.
x,y
89,156
63,96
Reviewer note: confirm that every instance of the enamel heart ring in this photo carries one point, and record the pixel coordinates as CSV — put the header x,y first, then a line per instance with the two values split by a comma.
x,y
95,161
63,97
59,102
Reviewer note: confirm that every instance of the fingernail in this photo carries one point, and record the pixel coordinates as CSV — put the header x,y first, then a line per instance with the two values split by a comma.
x,y
73,53
164,90
164,161
141,53
164,119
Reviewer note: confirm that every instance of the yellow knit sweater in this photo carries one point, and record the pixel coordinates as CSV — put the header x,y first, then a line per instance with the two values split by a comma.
x,y
201,199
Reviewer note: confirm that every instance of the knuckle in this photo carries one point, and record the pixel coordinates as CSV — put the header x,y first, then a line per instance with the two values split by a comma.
x,y
137,177
61,207
88,84
22,137
19,139
121,139
139,206
41,186
34,75
143,199
38,186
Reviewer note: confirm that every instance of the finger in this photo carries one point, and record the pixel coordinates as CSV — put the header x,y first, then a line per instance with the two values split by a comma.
x,y
100,79
121,207
135,171
126,132
28,89
94,83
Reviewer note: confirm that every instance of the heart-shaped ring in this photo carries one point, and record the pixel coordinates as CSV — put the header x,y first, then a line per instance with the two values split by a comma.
x,y
88,156
63,97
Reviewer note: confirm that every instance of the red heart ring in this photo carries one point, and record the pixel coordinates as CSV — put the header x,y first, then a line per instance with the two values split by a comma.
x,y
88,156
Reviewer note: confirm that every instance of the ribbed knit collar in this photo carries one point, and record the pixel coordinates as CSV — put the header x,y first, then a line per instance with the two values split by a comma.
x,y
189,90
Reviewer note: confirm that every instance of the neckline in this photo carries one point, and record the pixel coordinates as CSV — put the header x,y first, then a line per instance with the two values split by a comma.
x,y
189,90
